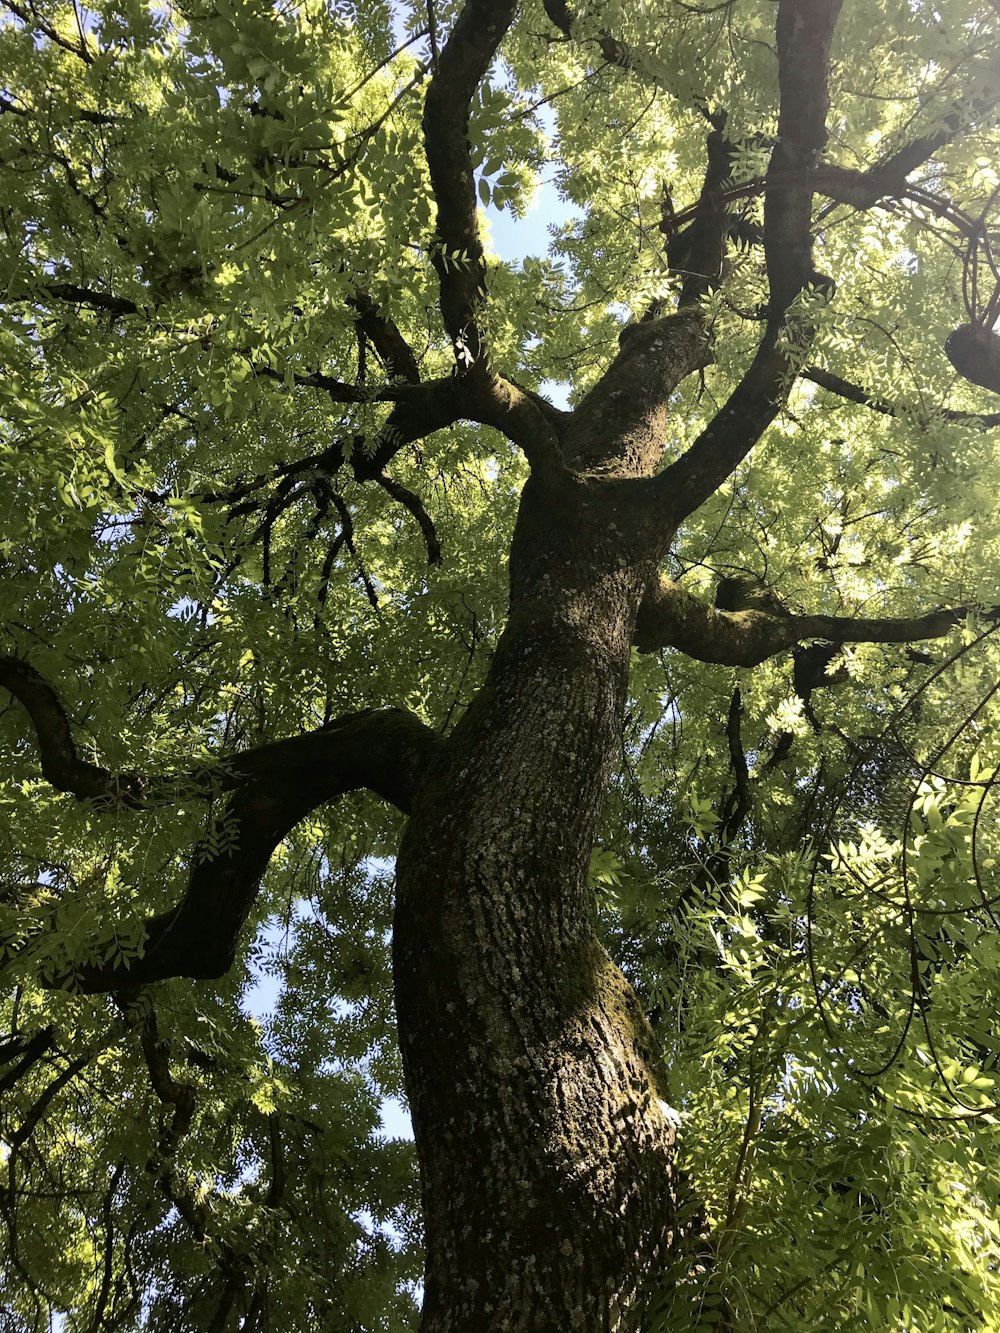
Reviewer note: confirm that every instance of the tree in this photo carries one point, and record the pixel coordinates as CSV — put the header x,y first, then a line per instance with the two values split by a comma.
x,y
672,705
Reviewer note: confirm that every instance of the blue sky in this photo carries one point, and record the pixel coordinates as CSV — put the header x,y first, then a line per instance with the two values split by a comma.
x,y
514,238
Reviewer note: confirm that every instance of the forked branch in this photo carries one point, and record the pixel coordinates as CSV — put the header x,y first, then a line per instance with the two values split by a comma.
x,y
804,36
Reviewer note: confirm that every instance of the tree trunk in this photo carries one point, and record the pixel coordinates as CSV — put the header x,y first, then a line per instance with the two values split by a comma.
x,y
540,1116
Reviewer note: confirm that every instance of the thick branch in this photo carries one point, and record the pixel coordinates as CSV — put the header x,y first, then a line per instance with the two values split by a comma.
x,y
66,291
698,252
273,788
620,426
804,35
912,155
421,410
61,763
670,617
393,349
527,420
458,249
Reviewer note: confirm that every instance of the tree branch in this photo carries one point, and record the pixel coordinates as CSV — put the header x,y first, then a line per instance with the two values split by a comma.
x,y
836,384
48,1094
179,1096
273,788
620,426
393,349
698,253
315,379
61,763
29,1050
420,410
66,291
527,420
458,250
613,51
804,35
672,617
34,22
912,155
415,505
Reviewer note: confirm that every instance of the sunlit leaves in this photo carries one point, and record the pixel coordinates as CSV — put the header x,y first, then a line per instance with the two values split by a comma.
x,y
802,890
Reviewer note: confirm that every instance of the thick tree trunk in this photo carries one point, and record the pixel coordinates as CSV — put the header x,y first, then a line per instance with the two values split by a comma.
x,y
540,1116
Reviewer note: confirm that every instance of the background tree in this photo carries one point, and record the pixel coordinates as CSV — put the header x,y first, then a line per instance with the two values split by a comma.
x,y
693,960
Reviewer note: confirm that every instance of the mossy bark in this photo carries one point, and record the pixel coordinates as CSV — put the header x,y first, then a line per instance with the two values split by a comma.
x,y
545,1141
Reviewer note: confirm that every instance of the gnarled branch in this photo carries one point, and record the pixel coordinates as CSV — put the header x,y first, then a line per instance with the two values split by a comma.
x,y
458,249
61,762
273,788
672,617
804,37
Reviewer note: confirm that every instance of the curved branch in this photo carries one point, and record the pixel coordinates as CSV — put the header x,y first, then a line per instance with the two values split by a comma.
x,y
179,1096
415,505
804,36
384,335
458,249
270,788
61,763
530,422
421,410
273,788
672,617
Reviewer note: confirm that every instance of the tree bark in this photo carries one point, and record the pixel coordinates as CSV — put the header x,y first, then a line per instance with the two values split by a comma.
x,y
541,1117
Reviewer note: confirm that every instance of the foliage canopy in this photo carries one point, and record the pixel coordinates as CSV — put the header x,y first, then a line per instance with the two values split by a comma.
x,y
234,512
